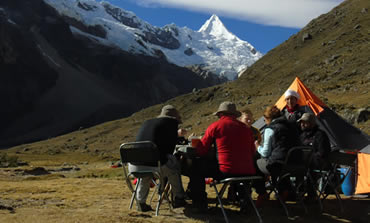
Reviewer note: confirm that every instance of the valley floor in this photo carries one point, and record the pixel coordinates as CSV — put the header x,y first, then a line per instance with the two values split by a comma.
x,y
95,192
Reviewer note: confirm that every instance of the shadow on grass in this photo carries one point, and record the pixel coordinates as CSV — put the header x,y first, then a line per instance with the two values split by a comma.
x,y
355,210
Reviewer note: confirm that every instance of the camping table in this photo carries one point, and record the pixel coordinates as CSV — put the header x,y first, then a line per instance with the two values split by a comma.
x,y
344,158
185,150
186,154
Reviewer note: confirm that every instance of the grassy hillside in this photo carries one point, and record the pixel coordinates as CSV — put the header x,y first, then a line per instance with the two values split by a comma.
x,y
330,55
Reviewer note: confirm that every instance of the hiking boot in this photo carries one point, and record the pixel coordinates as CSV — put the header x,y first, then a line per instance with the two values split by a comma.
x,y
243,206
179,202
232,197
287,196
143,207
292,197
310,199
261,199
188,194
200,207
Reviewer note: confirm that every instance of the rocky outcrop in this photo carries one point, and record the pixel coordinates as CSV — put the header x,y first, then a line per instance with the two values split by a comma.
x,y
208,75
162,38
121,16
53,81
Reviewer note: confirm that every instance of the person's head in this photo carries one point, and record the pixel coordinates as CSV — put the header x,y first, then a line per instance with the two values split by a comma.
x,y
227,108
307,121
170,111
291,98
246,116
271,112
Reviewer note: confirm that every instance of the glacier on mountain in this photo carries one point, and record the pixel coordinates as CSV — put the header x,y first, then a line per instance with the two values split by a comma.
x,y
212,47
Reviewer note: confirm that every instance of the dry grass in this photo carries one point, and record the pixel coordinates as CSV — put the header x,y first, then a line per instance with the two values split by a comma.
x,y
97,193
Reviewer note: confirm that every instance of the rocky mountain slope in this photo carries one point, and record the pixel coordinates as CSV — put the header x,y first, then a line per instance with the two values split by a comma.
x,y
330,55
213,47
54,80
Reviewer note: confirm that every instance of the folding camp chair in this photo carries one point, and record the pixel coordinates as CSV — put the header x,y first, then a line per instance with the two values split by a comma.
x,y
296,170
143,152
330,180
244,182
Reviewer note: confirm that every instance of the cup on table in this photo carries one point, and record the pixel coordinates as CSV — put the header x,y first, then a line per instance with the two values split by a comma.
x,y
194,141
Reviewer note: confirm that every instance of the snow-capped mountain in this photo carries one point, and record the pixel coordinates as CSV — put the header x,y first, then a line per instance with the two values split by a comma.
x,y
212,47
59,74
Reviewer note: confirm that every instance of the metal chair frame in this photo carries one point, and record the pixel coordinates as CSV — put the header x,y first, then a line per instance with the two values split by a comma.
x,y
331,179
133,152
245,181
294,170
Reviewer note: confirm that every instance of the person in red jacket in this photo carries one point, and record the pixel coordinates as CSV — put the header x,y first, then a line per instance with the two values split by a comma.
x,y
235,149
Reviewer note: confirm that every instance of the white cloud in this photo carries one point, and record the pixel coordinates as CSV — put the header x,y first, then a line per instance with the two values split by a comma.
x,y
285,13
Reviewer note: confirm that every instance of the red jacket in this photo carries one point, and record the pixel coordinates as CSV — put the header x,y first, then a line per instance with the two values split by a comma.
x,y
235,145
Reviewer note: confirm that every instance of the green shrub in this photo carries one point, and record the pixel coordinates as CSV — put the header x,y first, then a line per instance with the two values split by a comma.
x,y
8,161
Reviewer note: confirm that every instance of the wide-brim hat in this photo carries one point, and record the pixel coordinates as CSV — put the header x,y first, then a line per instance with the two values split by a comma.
x,y
170,111
308,117
228,108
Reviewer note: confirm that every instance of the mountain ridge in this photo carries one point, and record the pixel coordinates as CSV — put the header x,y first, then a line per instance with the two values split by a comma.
x,y
181,46
330,55
54,80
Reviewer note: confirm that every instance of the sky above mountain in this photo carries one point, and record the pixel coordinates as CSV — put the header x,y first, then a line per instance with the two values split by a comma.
x,y
264,23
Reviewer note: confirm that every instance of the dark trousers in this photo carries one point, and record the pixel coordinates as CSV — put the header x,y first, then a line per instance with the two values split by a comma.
x,y
206,167
201,168
274,171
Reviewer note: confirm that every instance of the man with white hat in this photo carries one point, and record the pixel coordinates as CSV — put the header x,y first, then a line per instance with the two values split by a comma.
x,y
233,142
292,111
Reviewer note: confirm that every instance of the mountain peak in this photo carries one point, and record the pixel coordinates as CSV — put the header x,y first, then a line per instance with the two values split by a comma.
x,y
213,46
214,26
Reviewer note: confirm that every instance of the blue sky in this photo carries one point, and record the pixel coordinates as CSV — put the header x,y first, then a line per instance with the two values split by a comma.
x,y
263,23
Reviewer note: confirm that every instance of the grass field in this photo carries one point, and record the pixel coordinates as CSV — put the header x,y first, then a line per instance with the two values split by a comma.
x,y
89,190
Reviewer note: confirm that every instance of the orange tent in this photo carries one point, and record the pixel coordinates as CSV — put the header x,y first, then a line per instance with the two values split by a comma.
x,y
307,98
363,171
342,134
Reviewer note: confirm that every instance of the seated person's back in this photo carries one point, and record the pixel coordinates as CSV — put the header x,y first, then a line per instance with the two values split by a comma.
x,y
162,131
234,142
235,151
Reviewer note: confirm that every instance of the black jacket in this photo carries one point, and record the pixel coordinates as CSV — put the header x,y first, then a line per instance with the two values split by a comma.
x,y
295,116
161,131
320,144
284,138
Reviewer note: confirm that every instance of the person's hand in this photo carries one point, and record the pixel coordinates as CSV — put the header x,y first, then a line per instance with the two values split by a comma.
x,y
181,132
256,144
191,136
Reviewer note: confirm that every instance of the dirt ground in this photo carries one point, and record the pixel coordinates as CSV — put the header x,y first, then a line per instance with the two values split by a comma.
x,y
97,193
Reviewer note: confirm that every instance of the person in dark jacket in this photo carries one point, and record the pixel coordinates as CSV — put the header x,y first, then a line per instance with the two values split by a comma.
x,y
292,111
279,137
313,136
317,139
162,131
